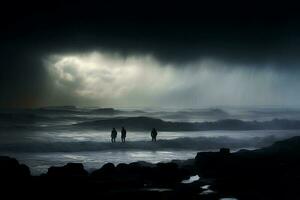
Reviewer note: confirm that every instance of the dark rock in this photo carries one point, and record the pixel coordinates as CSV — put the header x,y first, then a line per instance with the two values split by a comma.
x,y
122,167
288,147
10,167
271,173
168,174
107,171
69,170
225,151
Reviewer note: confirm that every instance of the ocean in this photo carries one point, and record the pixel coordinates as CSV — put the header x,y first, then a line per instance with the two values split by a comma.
x,y
53,136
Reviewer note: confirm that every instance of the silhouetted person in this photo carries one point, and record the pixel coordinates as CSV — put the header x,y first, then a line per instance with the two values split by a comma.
x,y
113,135
153,135
123,134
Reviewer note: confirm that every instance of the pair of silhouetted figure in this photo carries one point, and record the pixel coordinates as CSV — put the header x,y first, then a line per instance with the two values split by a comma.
x,y
114,134
153,135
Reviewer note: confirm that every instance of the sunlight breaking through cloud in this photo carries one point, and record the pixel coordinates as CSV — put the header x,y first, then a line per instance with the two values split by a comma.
x,y
109,77
112,80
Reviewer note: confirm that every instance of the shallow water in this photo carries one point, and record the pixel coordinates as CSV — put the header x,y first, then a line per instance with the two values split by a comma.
x,y
40,162
102,136
191,179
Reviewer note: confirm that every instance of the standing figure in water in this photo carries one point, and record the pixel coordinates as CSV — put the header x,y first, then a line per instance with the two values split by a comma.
x,y
123,134
113,135
153,135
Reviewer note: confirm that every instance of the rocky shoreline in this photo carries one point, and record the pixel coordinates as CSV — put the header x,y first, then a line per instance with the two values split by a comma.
x,y
267,173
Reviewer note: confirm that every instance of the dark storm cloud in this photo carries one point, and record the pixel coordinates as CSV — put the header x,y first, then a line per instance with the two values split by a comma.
x,y
173,32
250,34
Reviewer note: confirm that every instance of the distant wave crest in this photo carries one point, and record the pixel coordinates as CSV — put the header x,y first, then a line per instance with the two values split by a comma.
x,y
147,123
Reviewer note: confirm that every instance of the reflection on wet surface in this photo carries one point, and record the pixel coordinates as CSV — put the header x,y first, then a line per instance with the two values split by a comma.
x,y
191,179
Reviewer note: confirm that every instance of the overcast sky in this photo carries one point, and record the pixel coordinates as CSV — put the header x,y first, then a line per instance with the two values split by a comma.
x,y
149,54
